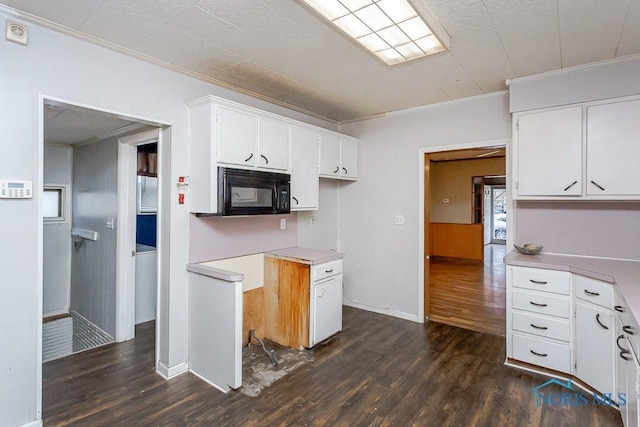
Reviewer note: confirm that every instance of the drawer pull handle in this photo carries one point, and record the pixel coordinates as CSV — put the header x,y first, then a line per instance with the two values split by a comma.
x,y
570,185
542,328
618,343
623,355
249,158
600,323
537,282
598,185
329,271
619,309
591,294
628,329
537,304
539,354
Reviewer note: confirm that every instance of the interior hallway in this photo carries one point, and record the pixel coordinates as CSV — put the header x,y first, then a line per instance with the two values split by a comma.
x,y
470,294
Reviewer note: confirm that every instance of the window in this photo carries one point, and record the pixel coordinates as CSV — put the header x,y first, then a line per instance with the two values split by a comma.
x,y
53,203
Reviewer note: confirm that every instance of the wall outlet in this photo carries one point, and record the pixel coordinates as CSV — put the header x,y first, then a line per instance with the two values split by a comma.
x,y
283,223
312,222
399,220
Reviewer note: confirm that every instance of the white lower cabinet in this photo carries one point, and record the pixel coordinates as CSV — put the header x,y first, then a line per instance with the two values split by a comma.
x,y
595,346
326,309
539,327
627,364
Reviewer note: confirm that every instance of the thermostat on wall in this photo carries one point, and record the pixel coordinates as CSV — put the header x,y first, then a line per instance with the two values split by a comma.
x,y
16,189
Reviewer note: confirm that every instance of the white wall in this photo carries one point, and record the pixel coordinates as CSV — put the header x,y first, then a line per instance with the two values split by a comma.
x,y
324,235
382,265
57,239
58,66
93,264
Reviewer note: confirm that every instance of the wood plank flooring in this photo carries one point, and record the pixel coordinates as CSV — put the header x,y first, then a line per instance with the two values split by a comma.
x,y
470,294
379,371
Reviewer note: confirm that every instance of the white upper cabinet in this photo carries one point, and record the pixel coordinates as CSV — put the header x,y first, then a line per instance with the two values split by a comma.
x,y
613,149
349,157
236,137
273,145
549,153
590,151
305,144
338,157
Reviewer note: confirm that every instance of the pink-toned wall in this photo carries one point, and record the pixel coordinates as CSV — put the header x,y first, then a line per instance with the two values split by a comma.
x,y
604,229
214,238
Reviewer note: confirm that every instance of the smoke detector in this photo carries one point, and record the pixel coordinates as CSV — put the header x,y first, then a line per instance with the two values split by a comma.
x,y
16,33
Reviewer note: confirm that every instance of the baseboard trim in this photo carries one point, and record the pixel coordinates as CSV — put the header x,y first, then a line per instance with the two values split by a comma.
x,y
385,311
168,373
35,423
225,391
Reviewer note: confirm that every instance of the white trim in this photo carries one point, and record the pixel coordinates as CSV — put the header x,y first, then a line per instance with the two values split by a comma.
x,y
443,103
126,231
542,75
40,260
222,389
385,311
34,423
172,372
421,219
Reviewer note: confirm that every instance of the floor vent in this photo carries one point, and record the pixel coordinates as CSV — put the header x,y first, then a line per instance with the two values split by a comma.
x,y
65,336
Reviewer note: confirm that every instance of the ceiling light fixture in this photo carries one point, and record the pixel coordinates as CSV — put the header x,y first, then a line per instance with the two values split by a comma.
x,y
395,31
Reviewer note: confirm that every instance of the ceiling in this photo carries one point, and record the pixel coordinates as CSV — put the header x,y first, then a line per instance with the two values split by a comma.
x,y
72,125
280,51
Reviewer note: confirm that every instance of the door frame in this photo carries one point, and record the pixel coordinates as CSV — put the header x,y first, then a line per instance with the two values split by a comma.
x,y
423,211
126,231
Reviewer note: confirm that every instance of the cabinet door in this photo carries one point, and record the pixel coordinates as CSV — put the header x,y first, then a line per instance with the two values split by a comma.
x,y
236,137
273,145
595,347
329,156
327,315
549,153
349,158
613,149
304,169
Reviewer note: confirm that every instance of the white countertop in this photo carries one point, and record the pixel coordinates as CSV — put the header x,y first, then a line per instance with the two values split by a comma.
x,y
305,255
216,273
624,274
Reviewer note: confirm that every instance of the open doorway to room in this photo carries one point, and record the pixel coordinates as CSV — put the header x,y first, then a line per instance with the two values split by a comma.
x,y
80,224
465,232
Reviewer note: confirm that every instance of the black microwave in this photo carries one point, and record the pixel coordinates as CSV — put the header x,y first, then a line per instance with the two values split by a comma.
x,y
249,192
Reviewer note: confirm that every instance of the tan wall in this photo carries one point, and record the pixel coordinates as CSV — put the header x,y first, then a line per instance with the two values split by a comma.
x,y
452,180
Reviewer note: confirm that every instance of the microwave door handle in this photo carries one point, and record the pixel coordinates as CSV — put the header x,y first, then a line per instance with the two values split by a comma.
x,y
274,197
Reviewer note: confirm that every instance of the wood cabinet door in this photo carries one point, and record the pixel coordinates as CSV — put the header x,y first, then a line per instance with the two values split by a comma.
x,y
595,347
236,137
304,169
549,153
273,145
613,149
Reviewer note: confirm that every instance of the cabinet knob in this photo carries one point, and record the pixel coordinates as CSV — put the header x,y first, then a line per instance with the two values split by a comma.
x,y
345,170
337,169
265,158
296,200
249,158
600,323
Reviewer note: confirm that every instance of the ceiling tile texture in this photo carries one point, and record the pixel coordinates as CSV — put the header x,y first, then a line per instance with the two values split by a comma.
x,y
280,50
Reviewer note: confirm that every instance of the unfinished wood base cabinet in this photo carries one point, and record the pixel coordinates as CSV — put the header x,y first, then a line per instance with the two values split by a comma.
x,y
302,303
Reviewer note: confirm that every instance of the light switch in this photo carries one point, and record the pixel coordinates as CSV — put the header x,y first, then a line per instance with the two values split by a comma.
x,y
110,223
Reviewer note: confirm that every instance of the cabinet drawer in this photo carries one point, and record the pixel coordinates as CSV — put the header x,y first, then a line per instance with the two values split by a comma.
x,y
594,291
558,282
321,271
541,302
542,353
544,326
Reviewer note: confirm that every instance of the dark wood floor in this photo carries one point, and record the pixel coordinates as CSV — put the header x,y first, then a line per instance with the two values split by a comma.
x,y
379,371
470,294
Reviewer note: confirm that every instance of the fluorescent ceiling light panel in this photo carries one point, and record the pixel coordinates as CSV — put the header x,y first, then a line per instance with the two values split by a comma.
x,y
393,30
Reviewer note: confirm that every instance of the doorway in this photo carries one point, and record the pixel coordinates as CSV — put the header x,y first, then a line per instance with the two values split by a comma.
x,y
464,279
80,217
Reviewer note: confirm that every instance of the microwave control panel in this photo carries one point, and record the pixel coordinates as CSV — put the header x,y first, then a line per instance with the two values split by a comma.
x,y
16,189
